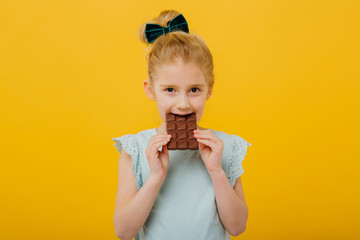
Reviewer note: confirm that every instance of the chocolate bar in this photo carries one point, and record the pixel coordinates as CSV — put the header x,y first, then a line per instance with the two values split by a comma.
x,y
181,129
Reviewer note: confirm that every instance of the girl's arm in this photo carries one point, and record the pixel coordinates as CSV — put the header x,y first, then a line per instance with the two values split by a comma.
x,y
230,202
132,206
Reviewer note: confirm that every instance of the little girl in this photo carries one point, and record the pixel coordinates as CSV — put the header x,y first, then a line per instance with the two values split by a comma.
x,y
179,194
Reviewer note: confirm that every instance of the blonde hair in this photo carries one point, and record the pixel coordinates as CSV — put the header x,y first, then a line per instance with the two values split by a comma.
x,y
166,49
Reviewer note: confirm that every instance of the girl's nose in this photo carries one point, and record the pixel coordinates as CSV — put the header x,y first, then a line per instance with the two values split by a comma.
x,y
183,102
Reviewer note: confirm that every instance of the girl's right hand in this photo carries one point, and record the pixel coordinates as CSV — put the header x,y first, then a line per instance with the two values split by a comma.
x,y
158,160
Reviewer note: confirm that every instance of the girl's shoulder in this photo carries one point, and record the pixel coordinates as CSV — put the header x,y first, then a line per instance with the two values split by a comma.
x,y
132,142
235,149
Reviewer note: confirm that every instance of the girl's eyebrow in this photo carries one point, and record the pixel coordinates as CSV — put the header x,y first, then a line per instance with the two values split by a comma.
x,y
171,85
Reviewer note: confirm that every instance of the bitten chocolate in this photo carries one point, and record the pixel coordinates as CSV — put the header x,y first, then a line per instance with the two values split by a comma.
x,y
181,129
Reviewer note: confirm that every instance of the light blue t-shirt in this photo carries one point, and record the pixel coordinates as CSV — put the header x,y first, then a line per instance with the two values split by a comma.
x,y
185,207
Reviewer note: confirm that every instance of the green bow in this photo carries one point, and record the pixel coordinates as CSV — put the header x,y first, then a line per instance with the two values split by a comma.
x,y
153,31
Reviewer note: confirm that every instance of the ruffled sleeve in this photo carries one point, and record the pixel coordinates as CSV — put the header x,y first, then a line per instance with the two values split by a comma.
x,y
237,155
129,144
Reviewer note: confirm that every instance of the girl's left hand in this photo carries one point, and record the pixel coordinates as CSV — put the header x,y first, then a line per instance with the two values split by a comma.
x,y
211,149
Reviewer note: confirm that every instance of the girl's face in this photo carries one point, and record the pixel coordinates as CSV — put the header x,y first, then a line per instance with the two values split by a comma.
x,y
180,89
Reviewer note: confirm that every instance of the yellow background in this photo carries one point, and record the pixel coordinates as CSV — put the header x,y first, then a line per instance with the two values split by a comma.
x,y
286,80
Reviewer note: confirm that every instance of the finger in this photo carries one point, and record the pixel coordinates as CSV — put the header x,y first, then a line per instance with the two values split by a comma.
x,y
204,132
165,161
159,136
158,139
165,149
155,141
206,135
207,142
202,146
157,144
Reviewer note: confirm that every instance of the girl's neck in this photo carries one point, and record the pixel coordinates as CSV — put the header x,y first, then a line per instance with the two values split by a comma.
x,y
162,128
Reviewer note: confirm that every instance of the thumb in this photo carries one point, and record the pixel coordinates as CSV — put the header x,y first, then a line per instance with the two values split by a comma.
x,y
165,149
201,146
165,154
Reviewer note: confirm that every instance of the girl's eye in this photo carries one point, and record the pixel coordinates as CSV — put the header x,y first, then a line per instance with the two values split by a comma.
x,y
170,89
195,90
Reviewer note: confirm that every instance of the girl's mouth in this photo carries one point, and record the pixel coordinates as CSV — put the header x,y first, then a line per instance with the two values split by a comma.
x,y
182,114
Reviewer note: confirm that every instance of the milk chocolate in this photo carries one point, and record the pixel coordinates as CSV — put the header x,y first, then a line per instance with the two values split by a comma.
x,y
181,129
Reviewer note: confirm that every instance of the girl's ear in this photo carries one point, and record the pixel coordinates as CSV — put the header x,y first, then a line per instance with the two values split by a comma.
x,y
149,91
209,94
